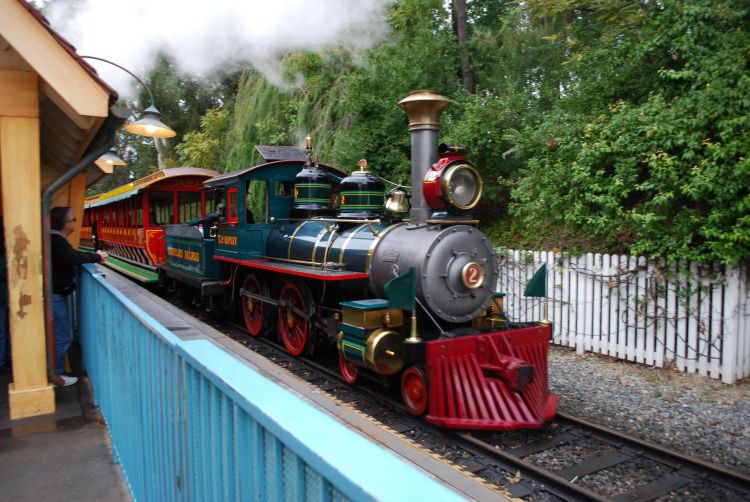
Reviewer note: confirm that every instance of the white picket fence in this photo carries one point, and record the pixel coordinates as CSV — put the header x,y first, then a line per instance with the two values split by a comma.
x,y
689,315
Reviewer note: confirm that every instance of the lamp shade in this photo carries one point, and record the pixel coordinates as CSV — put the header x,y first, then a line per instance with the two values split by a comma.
x,y
107,161
111,158
150,125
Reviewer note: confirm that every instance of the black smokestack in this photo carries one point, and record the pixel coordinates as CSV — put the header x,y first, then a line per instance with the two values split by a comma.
x,y
424,109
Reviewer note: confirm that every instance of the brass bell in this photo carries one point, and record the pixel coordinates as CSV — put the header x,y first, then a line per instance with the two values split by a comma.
x,y
397,201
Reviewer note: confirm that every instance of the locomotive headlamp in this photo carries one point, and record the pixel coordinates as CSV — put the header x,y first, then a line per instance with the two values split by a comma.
x,y
461,187
452,183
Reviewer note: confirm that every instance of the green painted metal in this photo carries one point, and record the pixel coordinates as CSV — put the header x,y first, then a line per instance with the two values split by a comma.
x,y
131,270
401,291
312,192
537,285
357,200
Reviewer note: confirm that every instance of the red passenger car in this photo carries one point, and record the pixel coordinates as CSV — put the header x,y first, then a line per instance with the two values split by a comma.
x,y
127,221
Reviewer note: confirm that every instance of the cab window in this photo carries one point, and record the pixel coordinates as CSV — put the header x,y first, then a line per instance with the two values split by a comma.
x,y
232,205
255,201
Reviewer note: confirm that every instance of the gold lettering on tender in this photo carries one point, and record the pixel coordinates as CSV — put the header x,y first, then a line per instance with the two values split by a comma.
x,y
20,259
228,240
193,256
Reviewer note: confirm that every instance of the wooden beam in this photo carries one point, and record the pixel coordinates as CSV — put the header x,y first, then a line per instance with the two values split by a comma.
x,y
52,61
53,117
11,60
30,393
18,94
89,135
76,196
53,96
50,172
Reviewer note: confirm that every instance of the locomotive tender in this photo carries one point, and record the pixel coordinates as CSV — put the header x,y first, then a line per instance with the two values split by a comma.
x,y
409,299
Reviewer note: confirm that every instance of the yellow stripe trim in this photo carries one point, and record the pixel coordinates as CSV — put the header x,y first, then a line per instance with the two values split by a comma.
x,y
291,239
346,244
375,243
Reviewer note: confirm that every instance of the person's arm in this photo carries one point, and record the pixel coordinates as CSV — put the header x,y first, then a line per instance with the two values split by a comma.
x,y
69,256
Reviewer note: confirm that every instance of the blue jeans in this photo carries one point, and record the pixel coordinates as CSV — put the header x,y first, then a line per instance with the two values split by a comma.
x,y
4,345
63,331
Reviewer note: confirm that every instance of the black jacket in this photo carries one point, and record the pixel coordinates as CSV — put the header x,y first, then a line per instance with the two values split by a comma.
x,y
64,262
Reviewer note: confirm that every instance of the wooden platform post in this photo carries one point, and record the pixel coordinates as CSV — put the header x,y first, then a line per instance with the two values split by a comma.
x,y
30,393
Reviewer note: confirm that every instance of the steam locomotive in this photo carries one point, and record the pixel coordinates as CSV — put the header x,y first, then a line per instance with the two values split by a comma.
x,y
409,299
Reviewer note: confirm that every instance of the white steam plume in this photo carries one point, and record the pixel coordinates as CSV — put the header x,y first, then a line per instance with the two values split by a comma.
x,y
206,36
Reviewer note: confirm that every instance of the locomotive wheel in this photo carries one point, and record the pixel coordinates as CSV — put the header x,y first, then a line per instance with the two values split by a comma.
x,y
295,306
253,310
348,370
414,390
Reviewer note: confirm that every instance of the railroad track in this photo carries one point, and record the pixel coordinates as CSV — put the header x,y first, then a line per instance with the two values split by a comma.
x,y
569,459
577,449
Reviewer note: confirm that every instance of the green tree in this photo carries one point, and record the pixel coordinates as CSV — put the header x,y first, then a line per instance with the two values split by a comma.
x,y
658,165
596,124
183,101
205,148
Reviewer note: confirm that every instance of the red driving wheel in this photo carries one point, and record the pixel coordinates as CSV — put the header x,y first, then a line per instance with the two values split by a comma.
x,y
348,370
252,308
294,322
414,390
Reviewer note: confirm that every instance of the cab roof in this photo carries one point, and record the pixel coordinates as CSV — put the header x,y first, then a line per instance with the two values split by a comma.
x,y
266,171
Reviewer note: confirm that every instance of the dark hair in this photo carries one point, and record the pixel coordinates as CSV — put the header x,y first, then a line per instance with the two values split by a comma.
x,y
58,217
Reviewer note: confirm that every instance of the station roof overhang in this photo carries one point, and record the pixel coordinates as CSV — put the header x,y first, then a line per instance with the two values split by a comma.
x,y
73,101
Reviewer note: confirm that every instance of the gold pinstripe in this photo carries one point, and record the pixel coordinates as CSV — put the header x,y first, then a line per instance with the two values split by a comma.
x,y
375,243
317,241
291,239
328,245
346,244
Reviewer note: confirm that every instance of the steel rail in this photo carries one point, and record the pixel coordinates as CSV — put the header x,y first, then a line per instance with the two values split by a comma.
x,y
732,478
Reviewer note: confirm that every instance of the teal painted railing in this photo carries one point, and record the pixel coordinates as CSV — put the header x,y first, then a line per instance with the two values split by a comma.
x,y
190,422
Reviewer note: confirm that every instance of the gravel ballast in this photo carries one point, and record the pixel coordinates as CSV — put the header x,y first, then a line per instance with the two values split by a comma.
x,y
693,414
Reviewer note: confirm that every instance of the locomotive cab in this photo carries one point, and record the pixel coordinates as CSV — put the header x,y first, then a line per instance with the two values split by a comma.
x,y
259,199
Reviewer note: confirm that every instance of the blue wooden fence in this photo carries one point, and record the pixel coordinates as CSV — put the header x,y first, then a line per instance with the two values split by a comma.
x,y
190,422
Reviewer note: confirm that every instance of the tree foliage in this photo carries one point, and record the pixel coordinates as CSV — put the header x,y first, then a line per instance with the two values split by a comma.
x,y
650,152
597,125
205,147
